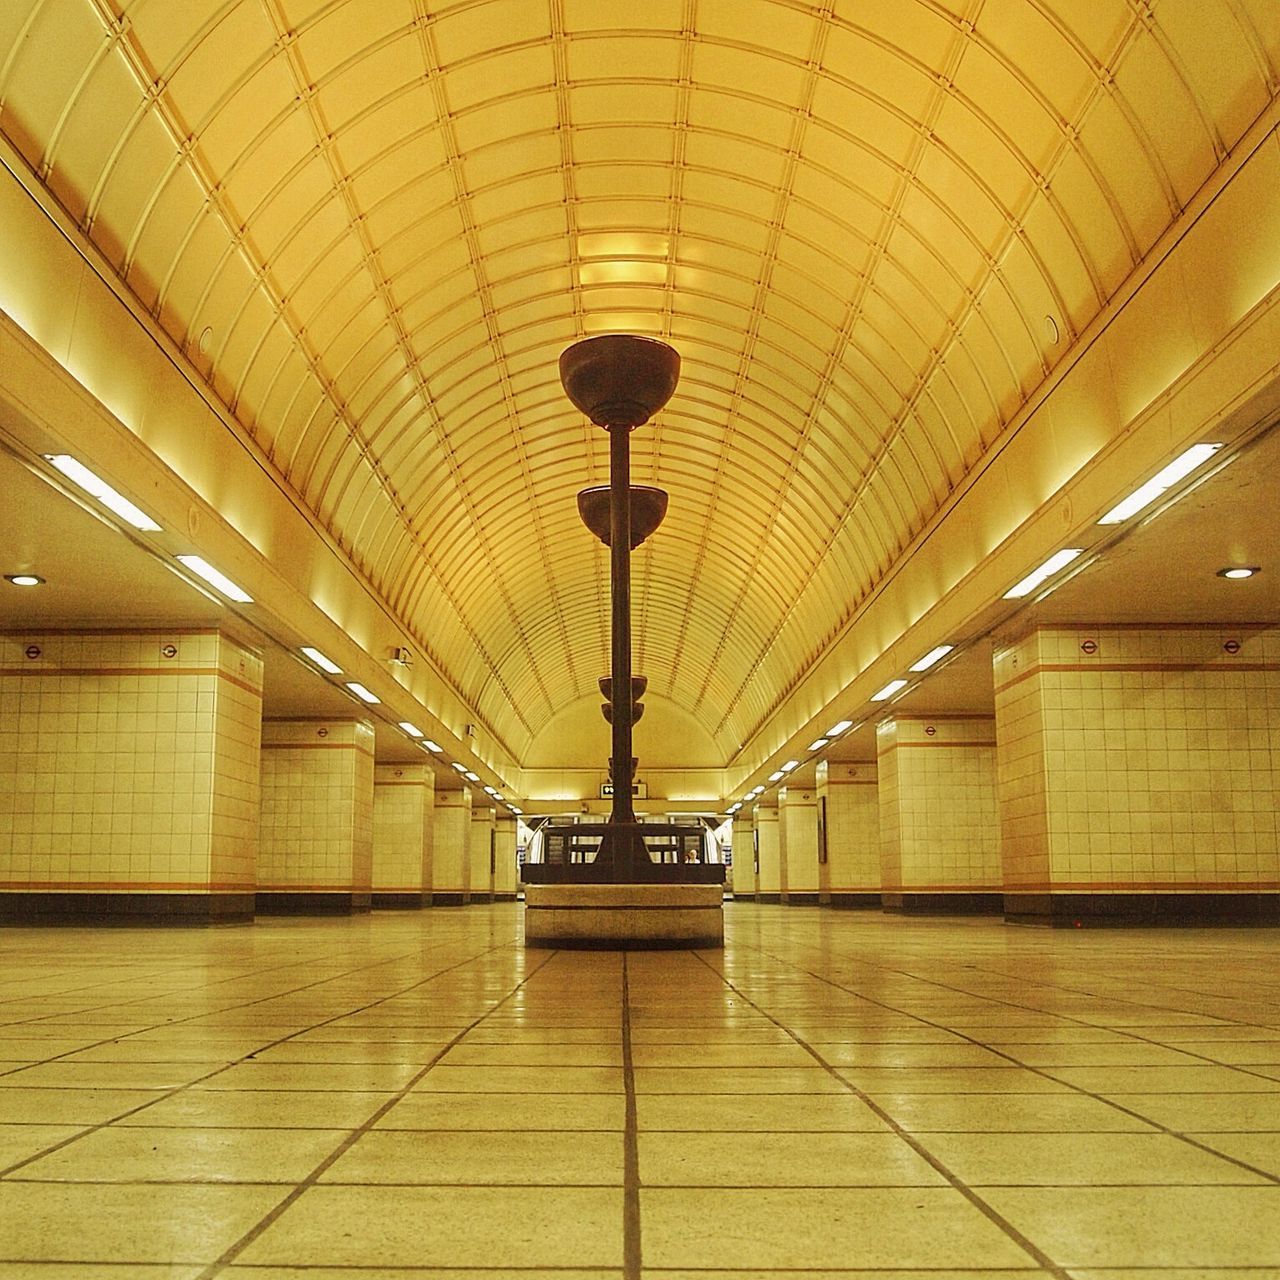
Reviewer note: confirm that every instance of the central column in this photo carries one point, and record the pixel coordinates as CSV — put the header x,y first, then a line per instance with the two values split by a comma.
x,y
623,815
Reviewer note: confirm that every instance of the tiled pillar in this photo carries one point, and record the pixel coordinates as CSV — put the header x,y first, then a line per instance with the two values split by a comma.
x,y
798,846
768,882
403,800
742,875
482,850
1138,779
316,851
939,827
849,822
128,776
450,849
506,873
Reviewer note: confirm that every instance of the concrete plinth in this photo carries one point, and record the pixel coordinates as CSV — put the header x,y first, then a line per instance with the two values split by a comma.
x,y
623,917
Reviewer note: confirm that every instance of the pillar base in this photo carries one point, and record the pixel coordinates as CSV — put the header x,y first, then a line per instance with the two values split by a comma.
x,y
285,902
853,901
623,917
1144,910
399,901
977,903
125,908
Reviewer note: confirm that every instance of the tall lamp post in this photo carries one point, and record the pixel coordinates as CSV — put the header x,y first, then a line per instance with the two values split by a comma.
x,y
620,381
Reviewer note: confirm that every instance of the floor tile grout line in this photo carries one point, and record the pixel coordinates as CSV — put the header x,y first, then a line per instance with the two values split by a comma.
x,y
229,1255
199,1080
631,1245
986,1209
1079,1090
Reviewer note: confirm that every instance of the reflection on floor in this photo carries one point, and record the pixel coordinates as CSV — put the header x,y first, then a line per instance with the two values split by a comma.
x,y
836,1094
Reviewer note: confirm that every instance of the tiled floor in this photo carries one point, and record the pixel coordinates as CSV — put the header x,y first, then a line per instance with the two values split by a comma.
x,y
834,1095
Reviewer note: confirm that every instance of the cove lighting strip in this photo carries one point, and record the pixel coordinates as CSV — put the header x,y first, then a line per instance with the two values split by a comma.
x,y
1182,465
98,488
1059,560
203,569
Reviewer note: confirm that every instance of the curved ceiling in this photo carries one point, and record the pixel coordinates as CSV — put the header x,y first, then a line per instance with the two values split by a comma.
x,y
871,229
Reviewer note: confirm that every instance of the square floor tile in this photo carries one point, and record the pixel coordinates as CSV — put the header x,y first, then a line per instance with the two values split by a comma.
x,y
1008,1113
481,1158
528,1080
793,1228
746,1159
1147,1226
494,1227
505,1111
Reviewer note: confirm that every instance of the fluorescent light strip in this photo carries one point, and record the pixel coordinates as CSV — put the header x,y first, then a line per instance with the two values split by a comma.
x,y
733,808
1182,465
411,729
432,746
934,655
203,569
817,744
471,777
791,764
325,664
773,777
461,768
1059,560
514,809
889,690
839,727
98,488
362,693
491,791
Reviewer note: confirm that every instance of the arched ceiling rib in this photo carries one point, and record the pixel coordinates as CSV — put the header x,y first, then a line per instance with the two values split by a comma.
x,y
871,229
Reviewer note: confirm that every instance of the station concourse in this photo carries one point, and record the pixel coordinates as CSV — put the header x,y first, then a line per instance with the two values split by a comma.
x,y
959,637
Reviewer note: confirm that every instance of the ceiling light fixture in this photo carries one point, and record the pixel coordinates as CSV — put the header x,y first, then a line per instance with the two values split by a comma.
x,y
96,487
24,579
775,775
791,764
839,727
325,664
362,693
1164,479
471,777
432,746
461,768
203,569
818,743
733,808
1232,571
1059,560
889,690
411,729
514,810
935,654
491,791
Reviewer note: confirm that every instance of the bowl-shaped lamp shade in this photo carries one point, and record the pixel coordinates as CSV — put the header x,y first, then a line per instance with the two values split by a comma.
x,y
638,685
619,380
648,507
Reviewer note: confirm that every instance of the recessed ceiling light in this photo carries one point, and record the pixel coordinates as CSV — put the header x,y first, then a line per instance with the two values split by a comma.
x,y
791,764
733,808
411,729
362,693
934,655
889,690
325,664
1182,465
1234,571
514,809
777,773
96,487
432,746
203,569
1059,560
491,791
24,579
471,777
838,728
817,744
461,768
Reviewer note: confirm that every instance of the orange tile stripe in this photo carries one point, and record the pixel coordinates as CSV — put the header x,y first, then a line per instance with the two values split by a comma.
x,y
1216,666
940,742
1147,886
28,671
941,888
125,886
345,887
317,746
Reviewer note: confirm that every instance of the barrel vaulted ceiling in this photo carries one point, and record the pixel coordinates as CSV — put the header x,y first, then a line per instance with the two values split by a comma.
x,y
872,228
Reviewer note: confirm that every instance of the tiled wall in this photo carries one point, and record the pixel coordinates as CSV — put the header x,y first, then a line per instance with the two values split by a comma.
x,y
479,849
507,873
1139,759
743,871
317,808
768,885
939,826
798,844
852,824
403,800
128,762
450,847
